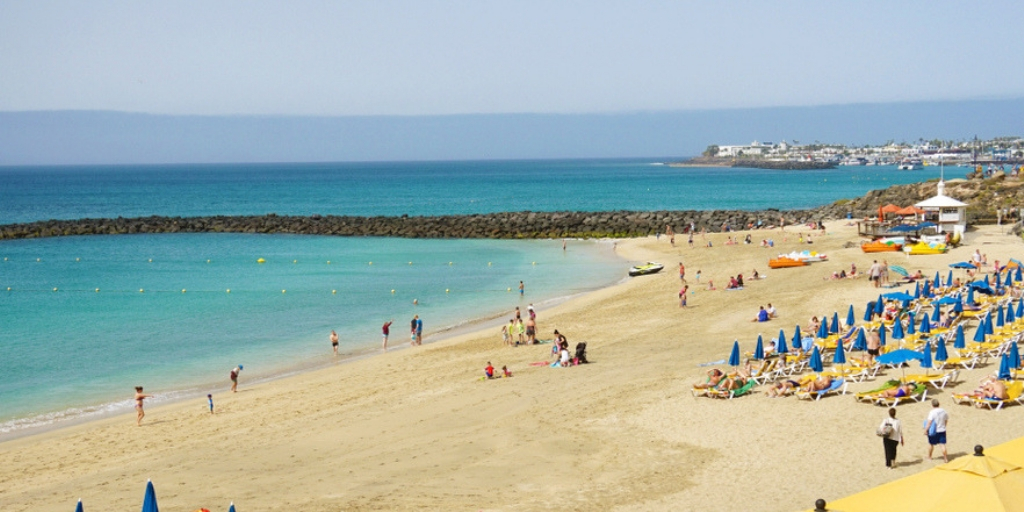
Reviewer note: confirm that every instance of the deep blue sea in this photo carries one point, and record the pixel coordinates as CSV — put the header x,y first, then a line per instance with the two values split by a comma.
x,y
88,318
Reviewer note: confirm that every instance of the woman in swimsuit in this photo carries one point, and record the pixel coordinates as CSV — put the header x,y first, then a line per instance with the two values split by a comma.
x,y
139,397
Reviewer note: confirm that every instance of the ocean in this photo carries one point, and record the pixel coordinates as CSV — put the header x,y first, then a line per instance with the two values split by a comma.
x,y
85,319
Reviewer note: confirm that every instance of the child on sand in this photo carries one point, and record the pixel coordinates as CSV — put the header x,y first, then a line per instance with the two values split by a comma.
x,y
682,296
139,397
489,370
209,398
506,371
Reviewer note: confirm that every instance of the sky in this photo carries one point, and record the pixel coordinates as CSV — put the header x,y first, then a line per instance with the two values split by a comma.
x,y
424,57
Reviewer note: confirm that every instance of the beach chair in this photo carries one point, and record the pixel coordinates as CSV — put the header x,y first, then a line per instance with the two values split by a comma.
x,y
766,373
849,372
871,396
1013,391
733,393
919,394
936,381
703,391
967,361
836,387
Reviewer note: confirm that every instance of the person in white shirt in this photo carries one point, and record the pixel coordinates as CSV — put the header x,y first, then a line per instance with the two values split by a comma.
x,y
935,429
893,440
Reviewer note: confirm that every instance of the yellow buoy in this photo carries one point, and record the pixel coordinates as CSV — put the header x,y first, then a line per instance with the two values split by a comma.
x,y
295,261
328,262
207,261
55,289
78,259
151,260
392,292
97,290
488,263
229,290
334,292
182,290
8,288
535,263
371,263
261,260
141,290
283,291
508,289
446,290
37,259
410,263
449,263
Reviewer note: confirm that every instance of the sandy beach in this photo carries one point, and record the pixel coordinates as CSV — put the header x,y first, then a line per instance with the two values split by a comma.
x,y
417,429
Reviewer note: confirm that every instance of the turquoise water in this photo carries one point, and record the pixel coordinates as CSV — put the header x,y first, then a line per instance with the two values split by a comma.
x,y
75,352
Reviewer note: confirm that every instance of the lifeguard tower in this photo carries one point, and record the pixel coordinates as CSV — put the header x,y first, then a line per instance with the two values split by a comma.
x,y
949,215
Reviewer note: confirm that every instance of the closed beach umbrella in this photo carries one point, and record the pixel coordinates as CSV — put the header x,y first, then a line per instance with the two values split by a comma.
x,y
897,330
959,306
1018,275
1000,316
879,305
834,328
759,349
927,290
979,334
797,339
937,283
1009,279
79,507
1020,309
949,279
906,304
780,346
988,324
917,290
940,351
959,342
910,323
1014,356
149,503
1010,317
823,328
936,314
840,356
849,317
1004,368
816,360
734,357
861,343
926,326
869,310
926,355
970,295
232,507
881,336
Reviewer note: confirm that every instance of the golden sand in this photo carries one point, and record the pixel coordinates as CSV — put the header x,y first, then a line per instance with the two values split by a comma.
x,y
417,429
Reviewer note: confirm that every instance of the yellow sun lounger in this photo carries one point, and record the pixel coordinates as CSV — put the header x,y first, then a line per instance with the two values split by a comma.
x,y
935,381
919,394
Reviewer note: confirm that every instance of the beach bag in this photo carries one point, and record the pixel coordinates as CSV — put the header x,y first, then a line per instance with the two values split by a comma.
x,y
884,430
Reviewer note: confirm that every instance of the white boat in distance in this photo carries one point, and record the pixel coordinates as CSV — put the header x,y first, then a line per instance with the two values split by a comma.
x,y
911,164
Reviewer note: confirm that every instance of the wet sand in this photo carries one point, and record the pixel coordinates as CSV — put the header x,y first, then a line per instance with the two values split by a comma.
x,y
419,430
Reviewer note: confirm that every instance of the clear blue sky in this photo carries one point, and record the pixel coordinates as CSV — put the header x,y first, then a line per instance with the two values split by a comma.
x,y
339,58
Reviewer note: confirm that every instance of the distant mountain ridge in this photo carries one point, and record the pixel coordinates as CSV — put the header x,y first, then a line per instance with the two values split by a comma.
x,y
101,137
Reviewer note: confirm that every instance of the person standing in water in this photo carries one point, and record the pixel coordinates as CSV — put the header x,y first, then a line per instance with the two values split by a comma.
x,y
412,327
522,289
139,397
334,341
385,330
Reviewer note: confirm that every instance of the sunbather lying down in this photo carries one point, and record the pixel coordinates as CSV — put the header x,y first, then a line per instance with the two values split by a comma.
x,y
782,388
992,389
820,384
731,383
897,392
715,377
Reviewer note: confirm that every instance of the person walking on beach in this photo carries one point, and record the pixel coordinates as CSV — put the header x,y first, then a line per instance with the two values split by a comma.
x,y
682,295
334,341
874,272
139,397
234,378
682,272
935,429
385,331
892,439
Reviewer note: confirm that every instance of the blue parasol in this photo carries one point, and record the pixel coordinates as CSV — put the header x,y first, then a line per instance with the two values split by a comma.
x,y
1018,275
962,264
734,357
861,343
797,338
898,296
834,328
897,330
970,296
1009,279
906,304
988,324
917,290
936,313
926,355
232,507
1014,356
869,310
926,326
1004,368
149,503
849,317
937,282
79,507
945,301
759,349
959,342
815,361
881,336
979,334
1020,309
780,345
910,324
927,290
840,356
899,356
949,279
1000,316
1010,317
879,306
959,306
940,351
823,328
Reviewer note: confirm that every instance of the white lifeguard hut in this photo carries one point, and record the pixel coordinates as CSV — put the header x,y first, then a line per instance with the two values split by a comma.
x,y
949,214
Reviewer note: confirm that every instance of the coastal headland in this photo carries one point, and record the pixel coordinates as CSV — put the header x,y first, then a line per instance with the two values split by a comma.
x,y
985,196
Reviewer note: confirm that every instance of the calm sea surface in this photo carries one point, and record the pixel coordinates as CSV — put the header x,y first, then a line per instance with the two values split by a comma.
x,y
163,316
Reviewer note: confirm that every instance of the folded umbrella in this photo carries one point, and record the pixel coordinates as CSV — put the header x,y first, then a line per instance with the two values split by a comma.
x,y
959,342
849,317
734,357
780,344
940,351
815,360
860,343
759,349
936,313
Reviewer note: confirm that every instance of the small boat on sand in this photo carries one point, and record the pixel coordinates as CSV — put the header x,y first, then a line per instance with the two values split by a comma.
x,y
642,270
881,246
786,262
923,247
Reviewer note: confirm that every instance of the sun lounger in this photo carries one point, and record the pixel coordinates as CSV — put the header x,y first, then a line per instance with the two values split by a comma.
x,y
850,372
837,385
967,361
936,381
1013,391
918,395
733,393
871,396
766,373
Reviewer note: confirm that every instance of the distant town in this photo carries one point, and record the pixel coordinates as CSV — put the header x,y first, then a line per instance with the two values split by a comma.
x,y
907,156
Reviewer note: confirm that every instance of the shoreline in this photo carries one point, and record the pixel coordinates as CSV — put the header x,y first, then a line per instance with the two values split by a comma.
x,y
43,423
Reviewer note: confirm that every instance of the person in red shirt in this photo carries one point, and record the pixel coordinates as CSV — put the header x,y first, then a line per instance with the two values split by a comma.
x,y
386,329
489,370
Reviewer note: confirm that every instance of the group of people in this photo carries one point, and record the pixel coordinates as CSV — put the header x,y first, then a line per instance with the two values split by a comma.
x,y
891,432
765,314
878,274
518,331
489,371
